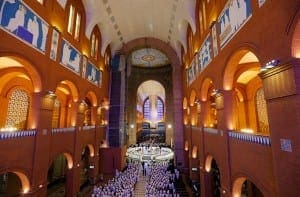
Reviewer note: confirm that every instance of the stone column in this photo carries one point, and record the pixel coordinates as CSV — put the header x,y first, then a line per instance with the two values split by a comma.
x,y
281,86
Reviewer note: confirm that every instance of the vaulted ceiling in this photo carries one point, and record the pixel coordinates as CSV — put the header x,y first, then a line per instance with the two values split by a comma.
x,y
121,21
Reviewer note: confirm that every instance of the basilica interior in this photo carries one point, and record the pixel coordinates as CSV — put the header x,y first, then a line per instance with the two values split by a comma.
x,y
150,98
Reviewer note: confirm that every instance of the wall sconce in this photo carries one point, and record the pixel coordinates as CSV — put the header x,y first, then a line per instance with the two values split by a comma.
x,y
56,28
82,106
51,93
215,92
169,126
186,145
105,105
99,110
194,152
212,24
132,126
270,65
247,130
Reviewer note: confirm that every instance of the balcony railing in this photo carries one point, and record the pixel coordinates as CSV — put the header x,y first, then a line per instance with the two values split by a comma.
x,y
257,139
89,127
17,134
63,130
211,130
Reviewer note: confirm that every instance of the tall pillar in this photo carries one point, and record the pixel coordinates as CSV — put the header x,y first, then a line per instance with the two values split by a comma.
x,y
42,106
281,86
178,131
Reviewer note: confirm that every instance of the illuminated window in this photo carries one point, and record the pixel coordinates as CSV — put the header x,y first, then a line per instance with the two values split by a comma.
x,y
17,110
201,22
71,19
261,107
77,26
74,22
55,114
146,110
160,109
204,15
96,48
93,45
88,113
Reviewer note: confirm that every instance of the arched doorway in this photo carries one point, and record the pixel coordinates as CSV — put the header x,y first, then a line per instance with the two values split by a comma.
x,y
57,175
213,178
172,77
243,187
10,184
85,168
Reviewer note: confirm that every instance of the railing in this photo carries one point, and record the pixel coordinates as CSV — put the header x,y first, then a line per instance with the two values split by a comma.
x,y
89,127
211,130
196,128
257,139
17,134
63,130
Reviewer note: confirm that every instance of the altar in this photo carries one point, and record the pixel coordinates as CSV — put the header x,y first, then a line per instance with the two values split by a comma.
x,y
149,153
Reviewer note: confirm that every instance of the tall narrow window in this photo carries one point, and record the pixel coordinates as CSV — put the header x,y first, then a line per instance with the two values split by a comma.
x,y
77,26
204,15
93,45
71,19
201,22
96,48
160,109
146,110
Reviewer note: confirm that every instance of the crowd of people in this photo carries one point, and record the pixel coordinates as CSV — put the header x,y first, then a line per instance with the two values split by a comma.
x,y
160,179
122,185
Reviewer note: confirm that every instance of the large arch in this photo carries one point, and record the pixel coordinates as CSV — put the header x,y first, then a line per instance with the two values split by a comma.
x,y
73,88
29,68
204,88
238,183
23,178
58,176
249,111
233,63
176,82
192,97
93,98
16,73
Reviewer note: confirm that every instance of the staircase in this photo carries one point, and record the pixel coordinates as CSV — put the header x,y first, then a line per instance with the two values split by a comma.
x,y
140,187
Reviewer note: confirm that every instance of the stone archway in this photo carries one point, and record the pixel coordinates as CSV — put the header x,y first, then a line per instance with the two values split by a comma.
x,y
176,90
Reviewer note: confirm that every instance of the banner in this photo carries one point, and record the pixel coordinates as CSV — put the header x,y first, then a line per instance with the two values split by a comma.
x,y
232,18
70,57
93,74
19,20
